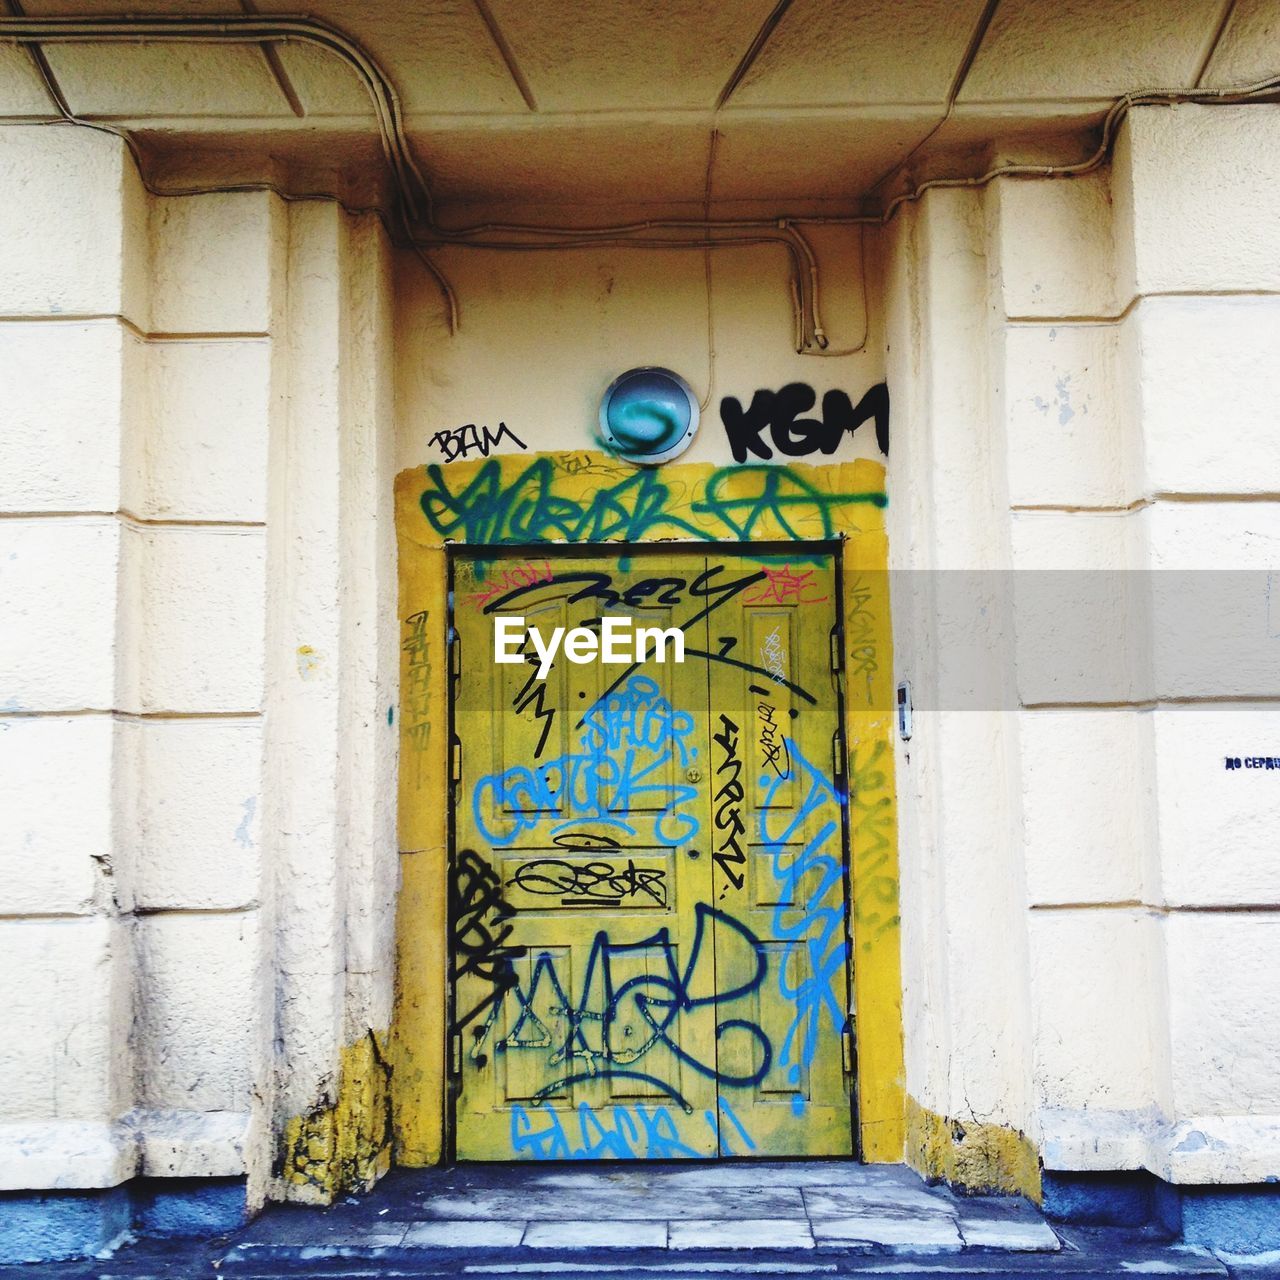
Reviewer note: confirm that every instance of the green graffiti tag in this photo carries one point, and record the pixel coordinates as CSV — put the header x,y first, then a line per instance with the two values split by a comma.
x,y
534,506
784,495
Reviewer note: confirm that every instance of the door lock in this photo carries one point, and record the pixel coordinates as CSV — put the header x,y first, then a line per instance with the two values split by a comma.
x,y
693,775
695,853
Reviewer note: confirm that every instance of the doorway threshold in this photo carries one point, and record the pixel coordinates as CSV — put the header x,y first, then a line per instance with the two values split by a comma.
x,y
747,1210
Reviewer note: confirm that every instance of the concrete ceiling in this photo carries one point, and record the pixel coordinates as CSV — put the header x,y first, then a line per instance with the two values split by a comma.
x,y
816,103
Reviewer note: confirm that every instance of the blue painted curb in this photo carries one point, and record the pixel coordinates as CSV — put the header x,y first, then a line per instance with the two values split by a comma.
x,y
56,1226
189,1208
1121,1199
52,1226
1232,1219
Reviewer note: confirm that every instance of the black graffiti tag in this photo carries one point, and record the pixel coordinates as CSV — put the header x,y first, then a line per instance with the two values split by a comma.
x,y
463,441
532,696
591,883
796,437
663,592
589,1035
728,855
481,927
773,746
584,840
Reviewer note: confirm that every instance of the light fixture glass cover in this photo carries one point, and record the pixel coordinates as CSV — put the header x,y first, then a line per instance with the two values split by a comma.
x,y
648,415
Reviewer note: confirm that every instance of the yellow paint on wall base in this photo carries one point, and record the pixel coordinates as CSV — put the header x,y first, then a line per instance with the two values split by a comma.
x,y
418,1046
343,1145
982,1159
540,499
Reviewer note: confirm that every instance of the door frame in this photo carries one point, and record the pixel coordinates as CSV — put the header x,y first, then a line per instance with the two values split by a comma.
x,y
456,552
547,498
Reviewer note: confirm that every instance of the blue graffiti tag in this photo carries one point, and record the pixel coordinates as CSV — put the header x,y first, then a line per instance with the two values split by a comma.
x,y
810,913
629,742
613,1133
610,1133
726,1146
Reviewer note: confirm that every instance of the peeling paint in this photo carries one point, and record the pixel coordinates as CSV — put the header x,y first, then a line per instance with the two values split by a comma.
x,y
973,1157
244,834
1065,411
344,1144
308,661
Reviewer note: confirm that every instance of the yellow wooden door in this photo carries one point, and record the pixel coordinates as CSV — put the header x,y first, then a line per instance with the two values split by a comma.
x,y
648,940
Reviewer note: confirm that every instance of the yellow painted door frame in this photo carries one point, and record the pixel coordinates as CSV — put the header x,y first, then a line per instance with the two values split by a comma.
x,y
649,928
549,500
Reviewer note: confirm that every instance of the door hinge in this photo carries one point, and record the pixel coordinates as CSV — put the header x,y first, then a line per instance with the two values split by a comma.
x,y
455,652
837,755
846,1046
455,762
837,649
455,1055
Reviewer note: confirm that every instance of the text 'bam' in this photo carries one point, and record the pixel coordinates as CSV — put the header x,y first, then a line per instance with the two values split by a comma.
x,y
615,641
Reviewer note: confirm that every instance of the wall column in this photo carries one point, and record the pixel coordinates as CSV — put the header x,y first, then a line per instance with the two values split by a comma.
x,y
197,573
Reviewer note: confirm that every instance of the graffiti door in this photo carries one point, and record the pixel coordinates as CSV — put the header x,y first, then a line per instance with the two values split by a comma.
x,y
649,933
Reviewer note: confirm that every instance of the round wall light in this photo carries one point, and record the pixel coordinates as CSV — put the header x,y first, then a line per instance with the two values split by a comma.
x,y
648,416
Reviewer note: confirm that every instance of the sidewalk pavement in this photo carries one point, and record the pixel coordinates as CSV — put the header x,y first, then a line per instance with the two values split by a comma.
x,y
659,1222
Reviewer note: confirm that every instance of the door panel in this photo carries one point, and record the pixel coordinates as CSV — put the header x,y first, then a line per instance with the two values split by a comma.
x,y
587,818
649,920
791,895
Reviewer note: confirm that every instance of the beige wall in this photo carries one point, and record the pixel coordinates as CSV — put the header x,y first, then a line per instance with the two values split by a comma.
x,y
1090,897
543,334
210,398
194,739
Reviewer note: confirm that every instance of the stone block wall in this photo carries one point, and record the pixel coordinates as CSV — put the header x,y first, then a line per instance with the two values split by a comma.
x,y
1105,348
198,874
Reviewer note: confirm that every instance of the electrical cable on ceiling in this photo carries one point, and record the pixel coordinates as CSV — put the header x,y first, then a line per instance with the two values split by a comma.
x,y
414,194
758,231
713,145
414,209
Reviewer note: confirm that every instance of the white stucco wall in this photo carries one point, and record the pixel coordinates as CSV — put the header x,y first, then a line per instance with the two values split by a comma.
x,y
198,581
1109,392
209,400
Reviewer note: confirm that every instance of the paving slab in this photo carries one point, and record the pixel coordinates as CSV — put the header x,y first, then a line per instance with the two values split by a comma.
x,y
886,1202
469,1234
569,1234
303,1227
741,1233
619,1203
916,1235
992,1208
746,1173
1018,1237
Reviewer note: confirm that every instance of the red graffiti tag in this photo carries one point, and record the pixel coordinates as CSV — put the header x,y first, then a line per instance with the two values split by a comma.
x,y
508,578
786,586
